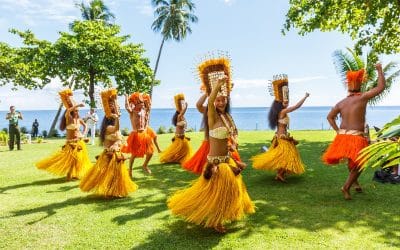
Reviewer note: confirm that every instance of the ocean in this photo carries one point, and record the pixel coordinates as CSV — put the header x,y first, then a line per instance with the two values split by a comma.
x,y
305,118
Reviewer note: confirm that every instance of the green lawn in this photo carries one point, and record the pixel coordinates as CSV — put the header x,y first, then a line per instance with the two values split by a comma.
x,y
41,211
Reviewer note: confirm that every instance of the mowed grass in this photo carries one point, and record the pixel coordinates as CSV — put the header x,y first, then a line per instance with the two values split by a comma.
x,y
42,211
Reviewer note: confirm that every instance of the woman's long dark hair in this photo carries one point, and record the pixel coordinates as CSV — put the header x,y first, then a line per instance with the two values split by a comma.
x,y
63,120
273,114
106,122
175,118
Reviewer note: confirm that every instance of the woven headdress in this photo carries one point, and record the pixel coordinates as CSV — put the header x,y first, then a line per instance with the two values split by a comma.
x,y
355,79
66,98
213,68
178,98
136,98
279,88
108,98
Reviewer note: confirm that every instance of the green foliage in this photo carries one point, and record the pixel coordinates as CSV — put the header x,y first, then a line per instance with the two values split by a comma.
x,y
3,138
24,130
93,53
371,23
96,10
190,130
125,131
351,60
44,133
161,130
173,18
5,130
171,129
97,55
54,133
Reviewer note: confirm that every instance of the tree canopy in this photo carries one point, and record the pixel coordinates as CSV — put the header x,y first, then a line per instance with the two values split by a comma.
x,y
371,23
93,53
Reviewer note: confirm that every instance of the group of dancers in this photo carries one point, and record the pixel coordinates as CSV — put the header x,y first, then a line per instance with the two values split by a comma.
x,y
219,194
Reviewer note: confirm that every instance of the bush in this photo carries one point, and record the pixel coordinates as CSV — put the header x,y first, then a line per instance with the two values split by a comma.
x,y
24,130
190,130
5,130
44,133
171,130
161,130
125,131
54,133
3,137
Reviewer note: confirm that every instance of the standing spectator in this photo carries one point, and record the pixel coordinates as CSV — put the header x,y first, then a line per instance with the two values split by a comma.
x,y
91,119
35,128
13,128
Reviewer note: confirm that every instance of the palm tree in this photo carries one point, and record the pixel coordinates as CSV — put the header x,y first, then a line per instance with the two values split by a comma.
x,y
350,60
96,11
173,20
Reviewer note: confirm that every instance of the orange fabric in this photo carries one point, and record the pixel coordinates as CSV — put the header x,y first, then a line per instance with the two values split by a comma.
x,y
235,155
140,143
199,159
345,147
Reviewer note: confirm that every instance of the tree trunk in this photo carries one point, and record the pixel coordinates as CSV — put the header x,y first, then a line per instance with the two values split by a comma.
x,y
53,124
91,88
156,67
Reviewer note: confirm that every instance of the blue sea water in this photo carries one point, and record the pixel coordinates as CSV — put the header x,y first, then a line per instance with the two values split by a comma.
x,y
304,118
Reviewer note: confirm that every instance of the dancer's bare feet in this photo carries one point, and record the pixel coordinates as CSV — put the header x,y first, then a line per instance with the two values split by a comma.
x,y
346,193
146,169
220,229
357,187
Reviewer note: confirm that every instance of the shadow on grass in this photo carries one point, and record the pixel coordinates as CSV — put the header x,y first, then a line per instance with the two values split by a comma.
x,y
34,183
310,202
313,201
178,234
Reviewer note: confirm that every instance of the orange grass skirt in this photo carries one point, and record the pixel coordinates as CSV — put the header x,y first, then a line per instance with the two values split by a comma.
x,y
345,147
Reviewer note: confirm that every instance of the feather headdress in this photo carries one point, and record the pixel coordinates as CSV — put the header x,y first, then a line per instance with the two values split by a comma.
x,y
211,69
108,97
279,87
66,98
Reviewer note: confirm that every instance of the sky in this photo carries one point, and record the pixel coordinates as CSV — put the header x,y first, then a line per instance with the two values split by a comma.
x,y
249,30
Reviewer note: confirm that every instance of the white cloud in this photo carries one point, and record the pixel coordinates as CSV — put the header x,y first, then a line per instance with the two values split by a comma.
x,y
145,8
228,2
32,12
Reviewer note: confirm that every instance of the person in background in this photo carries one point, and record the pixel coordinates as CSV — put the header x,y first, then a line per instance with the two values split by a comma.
x,y
180,150
13,129
35,128
91,119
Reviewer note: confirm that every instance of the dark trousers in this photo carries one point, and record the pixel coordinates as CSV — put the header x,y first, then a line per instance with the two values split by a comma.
x,y
13,131
35,132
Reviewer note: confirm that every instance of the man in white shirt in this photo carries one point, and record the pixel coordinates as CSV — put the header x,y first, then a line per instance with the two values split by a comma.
x,y
91,119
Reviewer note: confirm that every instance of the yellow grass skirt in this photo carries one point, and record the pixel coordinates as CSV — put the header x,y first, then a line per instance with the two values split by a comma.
x,y
282,154
71,161
179,151
108,177
220,199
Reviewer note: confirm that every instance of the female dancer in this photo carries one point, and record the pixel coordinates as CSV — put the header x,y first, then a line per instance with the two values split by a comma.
x,y
180,150
72,160
219,195
109,176
283,155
